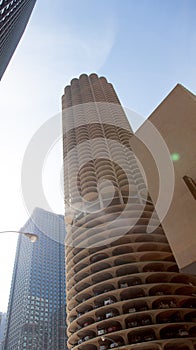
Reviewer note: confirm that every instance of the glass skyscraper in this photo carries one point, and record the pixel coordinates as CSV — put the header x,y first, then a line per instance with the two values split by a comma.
x,y
2,326
14,16
36,317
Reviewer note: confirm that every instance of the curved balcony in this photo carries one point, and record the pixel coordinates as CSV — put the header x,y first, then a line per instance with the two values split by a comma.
x,y
115,271
90,183
141,336
174,331
116,227
90,194
81,256
190,316
141,270
132,308
117,283
177,346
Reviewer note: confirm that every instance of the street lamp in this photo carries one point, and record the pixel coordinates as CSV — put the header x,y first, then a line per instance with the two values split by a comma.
x,y
32,236
103,338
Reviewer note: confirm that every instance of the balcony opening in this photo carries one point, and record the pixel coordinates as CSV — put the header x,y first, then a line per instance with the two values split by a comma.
x,y
190,317
98,257
104,288
100,267
101,277
141,336
175,346
157,278
132,294
174,331
127,270
168,317
164,303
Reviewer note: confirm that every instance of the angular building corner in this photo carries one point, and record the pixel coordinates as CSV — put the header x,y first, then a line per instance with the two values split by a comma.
x,y
124,289
175,123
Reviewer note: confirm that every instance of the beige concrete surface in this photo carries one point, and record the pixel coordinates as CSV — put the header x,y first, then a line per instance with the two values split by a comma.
x,y
175,123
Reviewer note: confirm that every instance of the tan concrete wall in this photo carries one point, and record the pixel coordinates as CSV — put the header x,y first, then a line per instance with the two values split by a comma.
x,y
175,120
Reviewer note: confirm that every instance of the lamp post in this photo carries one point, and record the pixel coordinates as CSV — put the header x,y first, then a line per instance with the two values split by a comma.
x,y
32,236
103,338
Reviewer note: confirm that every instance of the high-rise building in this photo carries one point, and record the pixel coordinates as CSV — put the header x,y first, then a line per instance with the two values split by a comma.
x,y
36,317
2,327
124,289
14,16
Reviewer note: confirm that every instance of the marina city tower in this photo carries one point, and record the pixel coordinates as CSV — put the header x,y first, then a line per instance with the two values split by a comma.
x,y
124,290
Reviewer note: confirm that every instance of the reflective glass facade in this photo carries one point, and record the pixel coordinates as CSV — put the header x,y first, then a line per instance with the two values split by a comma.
x,y
2,326
14,15
36,316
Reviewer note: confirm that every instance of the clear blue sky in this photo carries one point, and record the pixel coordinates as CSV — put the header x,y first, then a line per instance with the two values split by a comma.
x,y
144,47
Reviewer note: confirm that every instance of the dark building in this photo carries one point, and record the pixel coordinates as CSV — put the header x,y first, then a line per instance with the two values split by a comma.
x,y
124,289
2,327
14,16
36,316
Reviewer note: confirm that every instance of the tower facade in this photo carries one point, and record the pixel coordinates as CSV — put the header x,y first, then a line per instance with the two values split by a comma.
x,y
14,16
36,316
124,290
2,327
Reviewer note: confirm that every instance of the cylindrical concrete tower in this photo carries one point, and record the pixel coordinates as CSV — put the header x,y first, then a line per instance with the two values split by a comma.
x,y
124,290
